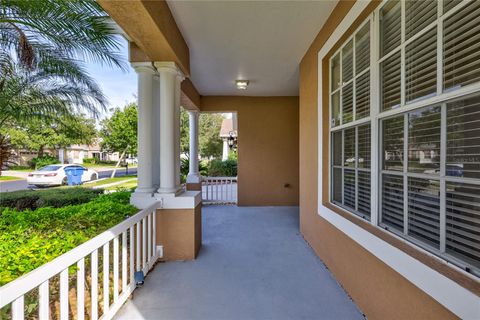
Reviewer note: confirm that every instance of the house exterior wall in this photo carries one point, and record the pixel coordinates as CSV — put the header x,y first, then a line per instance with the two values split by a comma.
x,y
379,290
268,147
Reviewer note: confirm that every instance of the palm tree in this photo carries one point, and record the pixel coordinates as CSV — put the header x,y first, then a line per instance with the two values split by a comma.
x,y
47,42
43,31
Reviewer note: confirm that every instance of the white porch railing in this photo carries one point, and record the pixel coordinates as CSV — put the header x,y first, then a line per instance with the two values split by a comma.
x,y
219,190
66,277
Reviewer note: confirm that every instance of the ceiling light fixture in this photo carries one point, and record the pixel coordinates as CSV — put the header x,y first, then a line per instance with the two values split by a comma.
x,y
242,84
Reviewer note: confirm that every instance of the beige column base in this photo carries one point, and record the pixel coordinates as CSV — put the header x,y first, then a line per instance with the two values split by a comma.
x,y
194,186
179,231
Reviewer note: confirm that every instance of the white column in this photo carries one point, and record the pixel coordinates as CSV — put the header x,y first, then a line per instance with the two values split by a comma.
x,y
170,80
61,155
226,149
193,173
145,72
156,132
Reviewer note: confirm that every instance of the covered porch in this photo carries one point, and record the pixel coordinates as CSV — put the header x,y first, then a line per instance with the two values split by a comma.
x,y
254,264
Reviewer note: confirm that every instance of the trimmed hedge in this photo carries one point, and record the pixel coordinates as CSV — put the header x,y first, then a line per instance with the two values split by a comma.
x,y
218,168
31,238
60,197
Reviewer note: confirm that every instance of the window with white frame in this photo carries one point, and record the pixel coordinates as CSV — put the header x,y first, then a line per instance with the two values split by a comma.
x,y
418,86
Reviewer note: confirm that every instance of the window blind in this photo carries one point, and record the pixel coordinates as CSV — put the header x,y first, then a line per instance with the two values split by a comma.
x,y
390,82
349,148
392,201
421,66
337,185
362,96
336,109
362,49
418,15
347,103
347,62
463,222
364,192
392,141
363,146
349,188
449,4
463,138
424,140
337,148
335,70
424,210
390,26
461,47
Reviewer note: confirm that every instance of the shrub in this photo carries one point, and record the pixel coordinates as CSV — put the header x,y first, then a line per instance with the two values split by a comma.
x,y
43,161
185,168
90,160
29,239
19,168
23,200
218,168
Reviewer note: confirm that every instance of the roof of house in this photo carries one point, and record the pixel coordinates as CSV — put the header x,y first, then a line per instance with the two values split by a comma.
x,y
227,127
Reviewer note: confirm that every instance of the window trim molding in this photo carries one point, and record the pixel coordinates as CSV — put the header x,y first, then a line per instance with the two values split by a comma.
x,y
454,288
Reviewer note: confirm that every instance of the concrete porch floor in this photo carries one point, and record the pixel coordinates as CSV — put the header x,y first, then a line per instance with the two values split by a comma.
x,y
254,264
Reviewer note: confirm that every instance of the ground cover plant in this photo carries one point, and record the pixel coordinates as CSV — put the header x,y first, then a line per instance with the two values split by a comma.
x,y
30,238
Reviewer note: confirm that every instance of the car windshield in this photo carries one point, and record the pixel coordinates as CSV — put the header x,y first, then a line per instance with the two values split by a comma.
x,y
50,168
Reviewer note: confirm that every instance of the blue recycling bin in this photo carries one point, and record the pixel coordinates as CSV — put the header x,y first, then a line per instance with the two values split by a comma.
x,y
74,175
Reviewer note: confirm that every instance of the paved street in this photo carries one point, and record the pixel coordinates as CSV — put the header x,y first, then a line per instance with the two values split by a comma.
x,y
15,185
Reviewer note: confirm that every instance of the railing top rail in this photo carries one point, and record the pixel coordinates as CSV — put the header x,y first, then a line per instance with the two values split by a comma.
x,y
34,278
220,178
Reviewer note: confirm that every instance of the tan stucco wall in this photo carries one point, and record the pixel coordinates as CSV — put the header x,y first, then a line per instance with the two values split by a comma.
x,y
379,291
179,231
268,147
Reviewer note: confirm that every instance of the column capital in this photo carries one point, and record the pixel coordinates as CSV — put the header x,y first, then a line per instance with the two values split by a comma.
x,y
169,66
143,67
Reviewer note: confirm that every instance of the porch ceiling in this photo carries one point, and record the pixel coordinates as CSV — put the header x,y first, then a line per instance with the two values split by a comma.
x,y
261,41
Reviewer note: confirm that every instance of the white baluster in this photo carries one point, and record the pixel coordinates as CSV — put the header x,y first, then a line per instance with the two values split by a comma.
x,y
115,269
106,277
124,261
64,295
94,290
81,289
18,312
44,301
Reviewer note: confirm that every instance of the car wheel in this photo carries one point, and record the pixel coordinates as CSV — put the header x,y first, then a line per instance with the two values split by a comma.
x,y
64,181
93,177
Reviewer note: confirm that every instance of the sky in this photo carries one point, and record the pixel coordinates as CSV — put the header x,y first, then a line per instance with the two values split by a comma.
x,y
120,87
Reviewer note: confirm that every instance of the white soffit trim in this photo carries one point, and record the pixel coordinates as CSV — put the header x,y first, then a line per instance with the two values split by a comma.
x,y
454,297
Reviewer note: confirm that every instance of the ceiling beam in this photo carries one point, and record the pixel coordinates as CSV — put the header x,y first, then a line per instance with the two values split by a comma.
x,y
151,26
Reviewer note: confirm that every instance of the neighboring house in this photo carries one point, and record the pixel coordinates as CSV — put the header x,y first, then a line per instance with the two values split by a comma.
x,y
72,154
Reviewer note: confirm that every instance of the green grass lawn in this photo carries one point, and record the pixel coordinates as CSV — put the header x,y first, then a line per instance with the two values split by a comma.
x,y
9,178
127,185
108,181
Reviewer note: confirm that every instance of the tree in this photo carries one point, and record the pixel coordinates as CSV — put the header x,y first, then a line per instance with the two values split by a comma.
x,y
119,132
43,45
47,33
209,141
38,134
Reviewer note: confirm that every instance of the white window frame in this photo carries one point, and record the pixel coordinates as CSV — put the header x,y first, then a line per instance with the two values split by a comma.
x,y
440,98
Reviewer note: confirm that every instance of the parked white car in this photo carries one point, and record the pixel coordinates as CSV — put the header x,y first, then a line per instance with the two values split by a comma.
x,y
54,175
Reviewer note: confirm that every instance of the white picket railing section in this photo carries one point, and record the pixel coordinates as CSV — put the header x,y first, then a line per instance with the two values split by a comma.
x,y
219,190
134,249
